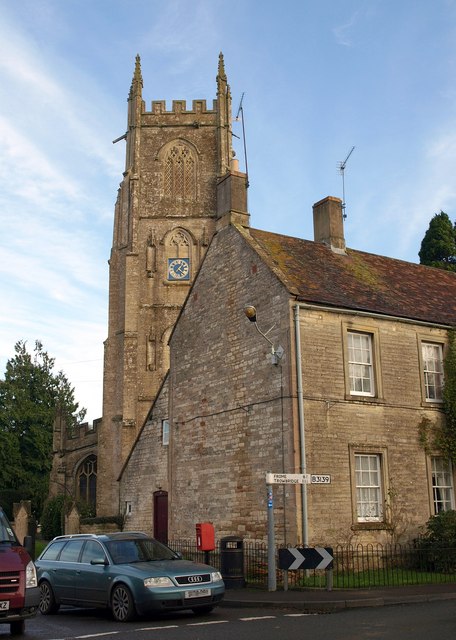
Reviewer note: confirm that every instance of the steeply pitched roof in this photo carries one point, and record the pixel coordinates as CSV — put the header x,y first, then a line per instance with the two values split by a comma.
x,y
362,281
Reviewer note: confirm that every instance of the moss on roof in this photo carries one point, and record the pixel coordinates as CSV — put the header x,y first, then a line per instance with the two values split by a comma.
x,y
313,273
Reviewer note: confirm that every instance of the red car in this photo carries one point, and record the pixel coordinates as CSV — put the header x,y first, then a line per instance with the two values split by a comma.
x,y
19,592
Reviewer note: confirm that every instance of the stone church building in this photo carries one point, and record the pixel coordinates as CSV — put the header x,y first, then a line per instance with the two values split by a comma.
x,y
233,352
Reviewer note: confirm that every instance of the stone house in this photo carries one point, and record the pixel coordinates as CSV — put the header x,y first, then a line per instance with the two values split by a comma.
x,y
345,365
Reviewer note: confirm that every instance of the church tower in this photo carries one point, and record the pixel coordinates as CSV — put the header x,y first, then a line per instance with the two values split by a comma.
x,y
165,216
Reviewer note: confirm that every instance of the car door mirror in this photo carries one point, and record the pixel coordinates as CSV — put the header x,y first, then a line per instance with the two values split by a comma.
x,y
103,561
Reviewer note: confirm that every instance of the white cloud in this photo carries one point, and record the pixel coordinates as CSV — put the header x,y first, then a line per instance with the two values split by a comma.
x,y
55,111
343,32
35,177
53,278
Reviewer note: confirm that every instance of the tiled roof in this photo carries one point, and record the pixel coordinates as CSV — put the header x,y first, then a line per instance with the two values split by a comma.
x,y
363,281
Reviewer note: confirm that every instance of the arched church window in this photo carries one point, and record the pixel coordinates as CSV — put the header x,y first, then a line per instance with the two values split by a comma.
x,y
86,480
180,172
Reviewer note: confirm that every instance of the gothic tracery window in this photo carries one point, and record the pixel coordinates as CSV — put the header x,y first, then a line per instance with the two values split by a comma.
x,y
179,244
180,173
86,480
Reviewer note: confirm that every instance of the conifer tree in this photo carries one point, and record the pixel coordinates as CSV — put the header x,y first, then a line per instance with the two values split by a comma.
x,y
438,248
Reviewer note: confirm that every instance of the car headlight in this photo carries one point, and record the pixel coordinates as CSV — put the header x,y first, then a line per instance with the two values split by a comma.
x,y
30,576
216,576
162,581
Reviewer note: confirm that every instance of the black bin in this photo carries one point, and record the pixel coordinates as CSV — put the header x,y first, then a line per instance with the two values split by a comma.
x,y
232,562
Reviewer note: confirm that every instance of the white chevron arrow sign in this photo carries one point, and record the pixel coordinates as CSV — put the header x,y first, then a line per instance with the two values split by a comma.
x,y
292,559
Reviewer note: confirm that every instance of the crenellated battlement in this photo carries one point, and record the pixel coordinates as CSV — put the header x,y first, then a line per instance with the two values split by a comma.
x,y
180,107
84,430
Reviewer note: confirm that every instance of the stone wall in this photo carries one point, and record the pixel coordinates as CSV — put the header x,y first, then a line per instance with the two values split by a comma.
x,y
146,470
230,406
70,449
98,529
338,424
24,524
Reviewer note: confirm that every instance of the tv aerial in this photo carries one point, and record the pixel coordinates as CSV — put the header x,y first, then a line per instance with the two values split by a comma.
x,y
341,166
240,116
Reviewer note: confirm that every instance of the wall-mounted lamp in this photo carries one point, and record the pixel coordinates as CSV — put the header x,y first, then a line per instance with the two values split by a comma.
x,y
250,312
276,354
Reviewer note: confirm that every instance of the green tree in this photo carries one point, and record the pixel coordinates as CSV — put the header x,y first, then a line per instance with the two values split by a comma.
x,y
438,544
30,395
438,247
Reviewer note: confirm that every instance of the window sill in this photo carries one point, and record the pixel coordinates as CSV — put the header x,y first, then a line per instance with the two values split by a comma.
x,y
364,399
370,526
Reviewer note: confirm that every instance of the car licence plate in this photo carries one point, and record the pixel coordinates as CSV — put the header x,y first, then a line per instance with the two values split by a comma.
x,y
4,605
198,593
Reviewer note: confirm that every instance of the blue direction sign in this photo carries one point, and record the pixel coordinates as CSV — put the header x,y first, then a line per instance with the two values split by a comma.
x,y
309,558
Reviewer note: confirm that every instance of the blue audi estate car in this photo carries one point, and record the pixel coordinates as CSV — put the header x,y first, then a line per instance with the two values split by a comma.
x,y
130,573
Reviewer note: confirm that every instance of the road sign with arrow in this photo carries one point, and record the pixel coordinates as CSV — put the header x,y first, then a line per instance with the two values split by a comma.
x,y
292,559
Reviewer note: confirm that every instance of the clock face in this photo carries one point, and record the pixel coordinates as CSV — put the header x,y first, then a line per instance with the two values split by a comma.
x,y
178,269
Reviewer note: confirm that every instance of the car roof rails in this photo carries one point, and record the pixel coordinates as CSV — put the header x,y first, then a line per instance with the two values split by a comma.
x,y
75,535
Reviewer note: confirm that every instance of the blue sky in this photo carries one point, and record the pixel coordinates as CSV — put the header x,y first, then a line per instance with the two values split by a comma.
x,y
319,77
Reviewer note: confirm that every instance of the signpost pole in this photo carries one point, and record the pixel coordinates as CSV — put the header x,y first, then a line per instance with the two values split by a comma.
x,y
293,479
329,579
272,580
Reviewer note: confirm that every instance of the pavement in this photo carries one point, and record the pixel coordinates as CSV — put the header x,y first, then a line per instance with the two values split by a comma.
x,y
322,601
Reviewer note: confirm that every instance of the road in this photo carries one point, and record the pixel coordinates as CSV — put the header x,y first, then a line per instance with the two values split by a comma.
x,y
424,621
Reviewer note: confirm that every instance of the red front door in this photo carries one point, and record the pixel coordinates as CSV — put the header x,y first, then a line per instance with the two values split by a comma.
x,y
161,516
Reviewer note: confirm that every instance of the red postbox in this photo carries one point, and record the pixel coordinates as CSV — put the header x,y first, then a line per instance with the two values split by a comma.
x,y
205,536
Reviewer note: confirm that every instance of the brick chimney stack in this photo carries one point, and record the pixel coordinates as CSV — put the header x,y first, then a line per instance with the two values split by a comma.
x,y
328,223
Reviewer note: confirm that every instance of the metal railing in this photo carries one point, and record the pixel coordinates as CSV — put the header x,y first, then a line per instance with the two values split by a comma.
x,y
355,566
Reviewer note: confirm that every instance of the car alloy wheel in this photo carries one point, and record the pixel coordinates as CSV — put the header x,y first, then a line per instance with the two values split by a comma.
x,y
48,604
122,606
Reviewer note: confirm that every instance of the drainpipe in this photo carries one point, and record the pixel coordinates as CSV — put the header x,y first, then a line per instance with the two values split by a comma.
x,y
302,437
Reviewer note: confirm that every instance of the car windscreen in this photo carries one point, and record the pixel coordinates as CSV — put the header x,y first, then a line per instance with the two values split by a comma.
x,y
6,532
139,550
